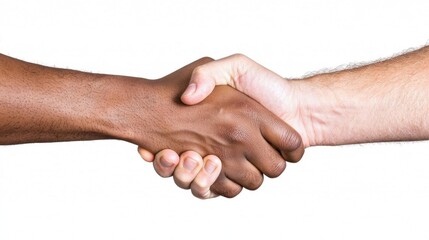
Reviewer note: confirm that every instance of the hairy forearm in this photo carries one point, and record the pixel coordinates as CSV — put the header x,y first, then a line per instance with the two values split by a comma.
x,y
42,104
385,101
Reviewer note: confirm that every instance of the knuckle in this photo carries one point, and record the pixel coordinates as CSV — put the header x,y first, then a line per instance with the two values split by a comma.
x,y
228,191
252,180
295,157
293,160
161,171
235,134
231,192
203,60
164,173
239,57
206,59
244,106
198,72
241,63
291,140
276,169
247,109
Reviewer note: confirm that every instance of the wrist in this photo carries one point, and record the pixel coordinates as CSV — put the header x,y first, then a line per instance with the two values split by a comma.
x,y
327,109
116,106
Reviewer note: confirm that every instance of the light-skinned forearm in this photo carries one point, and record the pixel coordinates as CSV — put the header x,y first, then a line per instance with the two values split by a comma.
x,y
385,101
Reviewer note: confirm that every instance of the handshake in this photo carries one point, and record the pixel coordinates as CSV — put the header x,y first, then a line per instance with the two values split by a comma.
x,y
226,140
217,139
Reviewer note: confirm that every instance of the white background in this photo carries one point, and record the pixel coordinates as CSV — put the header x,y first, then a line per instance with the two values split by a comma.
x,y
102,190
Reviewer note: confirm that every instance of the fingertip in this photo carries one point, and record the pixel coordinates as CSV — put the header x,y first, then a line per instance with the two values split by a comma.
x,y
212,164
190,90
145,154
201,92
190,99
277,169
200,186
294,156
167,158
165,162
188,168
200,86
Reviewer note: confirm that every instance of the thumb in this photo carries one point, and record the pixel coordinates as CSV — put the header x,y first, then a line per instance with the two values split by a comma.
x,y
198,89
205,77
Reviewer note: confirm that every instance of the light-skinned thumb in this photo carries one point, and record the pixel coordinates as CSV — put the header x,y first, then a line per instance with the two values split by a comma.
x,y
197,90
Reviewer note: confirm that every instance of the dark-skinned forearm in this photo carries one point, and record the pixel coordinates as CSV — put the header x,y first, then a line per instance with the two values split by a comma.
x,y
43,104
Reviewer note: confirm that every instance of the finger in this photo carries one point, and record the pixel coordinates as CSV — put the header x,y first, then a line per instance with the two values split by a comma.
x,y
165,162
283,137
205,77
225,187
189,166
265,158
200,187
145,154
244,174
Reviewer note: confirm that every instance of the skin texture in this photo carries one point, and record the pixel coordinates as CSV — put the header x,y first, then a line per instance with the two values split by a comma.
x,y
379,102
41,104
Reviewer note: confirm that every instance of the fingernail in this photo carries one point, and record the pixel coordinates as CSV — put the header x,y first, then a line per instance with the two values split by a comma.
x,y
165,163
190,164
190,89
210,166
